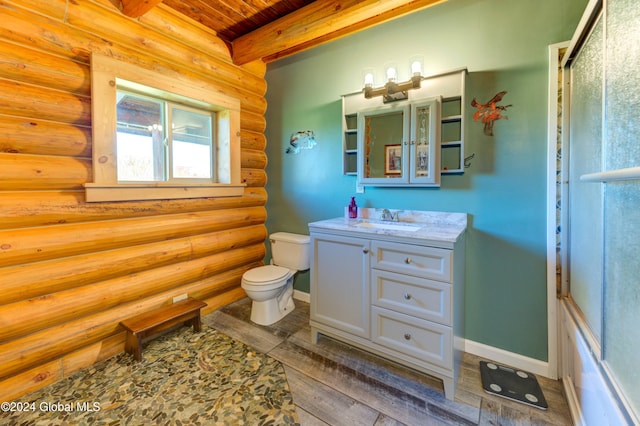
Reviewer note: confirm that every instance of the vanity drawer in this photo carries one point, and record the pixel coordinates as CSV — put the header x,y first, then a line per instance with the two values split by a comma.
x,y
419,261
425,341
426,299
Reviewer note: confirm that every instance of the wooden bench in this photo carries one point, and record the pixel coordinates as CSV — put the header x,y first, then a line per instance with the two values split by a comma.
x,y
152,322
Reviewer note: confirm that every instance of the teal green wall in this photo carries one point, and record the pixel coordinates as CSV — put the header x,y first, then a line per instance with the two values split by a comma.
x,y
504,46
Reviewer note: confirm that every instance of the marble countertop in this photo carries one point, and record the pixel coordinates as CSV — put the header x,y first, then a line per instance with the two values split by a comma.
x,y
413,225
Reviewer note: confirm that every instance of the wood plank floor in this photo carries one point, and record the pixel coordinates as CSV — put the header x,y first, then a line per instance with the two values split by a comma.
x,y
336,384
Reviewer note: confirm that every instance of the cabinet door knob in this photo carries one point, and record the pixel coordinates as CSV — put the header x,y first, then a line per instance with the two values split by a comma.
x,y
407,336
365,251
407,260
407,296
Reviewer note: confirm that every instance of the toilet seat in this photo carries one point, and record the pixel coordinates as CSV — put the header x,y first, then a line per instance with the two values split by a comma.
x,y
266,276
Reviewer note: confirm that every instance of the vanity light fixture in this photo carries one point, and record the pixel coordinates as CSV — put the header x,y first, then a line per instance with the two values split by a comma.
x,y
392,90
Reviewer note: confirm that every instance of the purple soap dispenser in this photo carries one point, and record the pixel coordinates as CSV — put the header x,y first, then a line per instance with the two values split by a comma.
x,y
353,209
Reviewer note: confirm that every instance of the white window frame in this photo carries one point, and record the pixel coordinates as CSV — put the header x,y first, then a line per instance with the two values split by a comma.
x,y
107,75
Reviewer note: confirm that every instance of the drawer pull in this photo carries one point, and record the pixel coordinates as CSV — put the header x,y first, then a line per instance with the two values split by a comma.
x,y
407,296
407,336
407,260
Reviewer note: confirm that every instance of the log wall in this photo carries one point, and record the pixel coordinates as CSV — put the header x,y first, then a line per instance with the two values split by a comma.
x,y
70,271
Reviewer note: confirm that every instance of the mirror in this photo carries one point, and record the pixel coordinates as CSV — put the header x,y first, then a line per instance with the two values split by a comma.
x,y
422,139
383,137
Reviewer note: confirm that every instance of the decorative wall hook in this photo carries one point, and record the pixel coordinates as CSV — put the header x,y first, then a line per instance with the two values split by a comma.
x,y
467,160
304,139
490,112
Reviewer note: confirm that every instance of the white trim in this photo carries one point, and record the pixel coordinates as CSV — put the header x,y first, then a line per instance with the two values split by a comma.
x,y
591,12
511,359
587,335
574,403
552,135
302,296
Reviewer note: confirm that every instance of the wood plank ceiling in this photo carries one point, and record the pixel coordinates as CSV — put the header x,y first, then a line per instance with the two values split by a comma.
x,y
273,29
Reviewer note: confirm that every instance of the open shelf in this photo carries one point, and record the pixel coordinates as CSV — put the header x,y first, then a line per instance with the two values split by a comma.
x,y
451,136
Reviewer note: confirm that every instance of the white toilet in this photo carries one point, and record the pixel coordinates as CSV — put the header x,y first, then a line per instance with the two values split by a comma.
x,y
271,286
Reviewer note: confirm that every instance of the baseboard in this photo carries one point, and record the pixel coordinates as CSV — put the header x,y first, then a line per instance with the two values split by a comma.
x,y
301,296
511,359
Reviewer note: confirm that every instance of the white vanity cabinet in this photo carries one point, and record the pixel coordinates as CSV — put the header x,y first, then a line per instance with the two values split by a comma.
x,y
401,298
340,283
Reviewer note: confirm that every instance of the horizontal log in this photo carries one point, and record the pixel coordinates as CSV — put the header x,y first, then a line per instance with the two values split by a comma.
x,y
31,380
39,172
43,103
258,67
317,23
32,244
23,27
254,177
29,209
253,140
38,137
137,8
42,278
184,30
207,13
52,8
43,33
253,122
25,317
37,68
221,299
168,21
107,21
253,159
26,352
89,355
40,103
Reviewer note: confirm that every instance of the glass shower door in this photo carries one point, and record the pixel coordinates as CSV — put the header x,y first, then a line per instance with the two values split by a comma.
x,y
585,199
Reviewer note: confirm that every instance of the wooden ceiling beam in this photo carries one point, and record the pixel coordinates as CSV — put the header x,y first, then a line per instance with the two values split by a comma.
x,y
137,8
317,23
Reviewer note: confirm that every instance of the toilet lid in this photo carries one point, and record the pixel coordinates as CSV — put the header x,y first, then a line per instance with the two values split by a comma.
x,y
265,274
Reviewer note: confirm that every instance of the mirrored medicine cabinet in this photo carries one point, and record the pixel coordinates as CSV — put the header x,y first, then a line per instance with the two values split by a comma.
x,y
410,142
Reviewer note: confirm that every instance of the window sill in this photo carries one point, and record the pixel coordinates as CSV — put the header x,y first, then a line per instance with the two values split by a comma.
x,y
155,191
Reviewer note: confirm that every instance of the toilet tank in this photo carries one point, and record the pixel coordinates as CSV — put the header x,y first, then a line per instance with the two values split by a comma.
x,y
290,250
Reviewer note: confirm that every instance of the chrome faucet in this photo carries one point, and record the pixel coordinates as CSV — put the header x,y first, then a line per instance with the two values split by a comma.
x,y
389,216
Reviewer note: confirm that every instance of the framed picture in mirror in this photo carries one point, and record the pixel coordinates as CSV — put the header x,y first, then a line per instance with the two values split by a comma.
x,y
393,159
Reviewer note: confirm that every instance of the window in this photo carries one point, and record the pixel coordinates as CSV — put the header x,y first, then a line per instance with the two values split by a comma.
x,y
149,149
160,137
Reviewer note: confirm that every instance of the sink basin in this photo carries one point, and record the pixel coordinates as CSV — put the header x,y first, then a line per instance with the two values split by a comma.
x,y
389,226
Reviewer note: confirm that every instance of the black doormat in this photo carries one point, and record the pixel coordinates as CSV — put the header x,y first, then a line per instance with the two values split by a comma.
x,y
512,384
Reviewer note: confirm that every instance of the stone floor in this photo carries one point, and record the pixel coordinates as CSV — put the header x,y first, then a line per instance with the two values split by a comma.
x,y
184,378
336,384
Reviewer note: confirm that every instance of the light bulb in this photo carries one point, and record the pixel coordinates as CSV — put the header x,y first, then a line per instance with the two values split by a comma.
x,y
368,80
391,74
416,68
416,62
